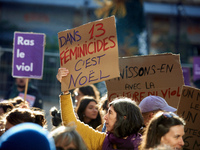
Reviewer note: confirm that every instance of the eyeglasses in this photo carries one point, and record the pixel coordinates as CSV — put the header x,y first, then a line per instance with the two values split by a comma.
x,y
169,115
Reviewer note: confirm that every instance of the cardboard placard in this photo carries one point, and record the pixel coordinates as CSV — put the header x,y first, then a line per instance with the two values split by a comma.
x,y
90,52
141,76
28,55
189,109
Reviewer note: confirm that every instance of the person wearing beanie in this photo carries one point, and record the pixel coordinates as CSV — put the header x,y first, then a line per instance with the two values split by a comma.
x,y
151,104
27,136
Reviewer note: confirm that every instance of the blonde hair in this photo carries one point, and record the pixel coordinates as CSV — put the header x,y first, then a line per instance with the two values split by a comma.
x,y
64,135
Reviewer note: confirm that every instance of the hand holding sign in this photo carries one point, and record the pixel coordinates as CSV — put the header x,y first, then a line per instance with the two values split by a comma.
x,y
89,52
62,72
28,56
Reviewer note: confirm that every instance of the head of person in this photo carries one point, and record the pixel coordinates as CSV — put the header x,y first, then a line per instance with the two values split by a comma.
x,y
165,128
20,82
67,138
88,112
151,104
27,136
5,106
123,117
20,115
89,90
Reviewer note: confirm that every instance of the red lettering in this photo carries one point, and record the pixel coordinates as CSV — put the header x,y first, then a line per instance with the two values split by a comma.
x,y
88,48
104,45
164,94
110,38
64,57
99,45
141,96
112,96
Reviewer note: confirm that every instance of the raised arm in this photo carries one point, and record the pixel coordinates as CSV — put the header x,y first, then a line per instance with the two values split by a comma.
x,y
93,139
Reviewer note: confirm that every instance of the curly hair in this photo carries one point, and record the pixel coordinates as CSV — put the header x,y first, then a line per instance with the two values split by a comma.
x,y
20,115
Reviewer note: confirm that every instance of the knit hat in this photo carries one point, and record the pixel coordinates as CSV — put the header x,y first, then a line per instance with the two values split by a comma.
x,y
152,103
26,136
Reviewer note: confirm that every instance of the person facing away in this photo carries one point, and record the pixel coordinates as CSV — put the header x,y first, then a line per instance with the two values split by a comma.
x,y
165,128
67,138
88,112
123,122
20,115
27,136
151,104
19,88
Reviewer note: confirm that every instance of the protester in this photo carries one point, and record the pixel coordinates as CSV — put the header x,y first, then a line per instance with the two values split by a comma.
x,y
20,115
27,136
19,88
151,104
88,112
67,138
123,121
164,128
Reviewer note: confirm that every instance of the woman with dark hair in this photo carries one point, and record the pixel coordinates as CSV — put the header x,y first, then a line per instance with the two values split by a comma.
x,y
88,112
165,128
123,122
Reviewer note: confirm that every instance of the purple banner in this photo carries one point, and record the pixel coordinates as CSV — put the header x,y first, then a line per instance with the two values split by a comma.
x,y
28,55
196,68
186,75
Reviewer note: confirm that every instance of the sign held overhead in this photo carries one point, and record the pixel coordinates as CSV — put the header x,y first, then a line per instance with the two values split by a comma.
x,y
90,52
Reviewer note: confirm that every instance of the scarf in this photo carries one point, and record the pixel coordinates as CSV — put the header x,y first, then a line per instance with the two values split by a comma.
x,y
130,143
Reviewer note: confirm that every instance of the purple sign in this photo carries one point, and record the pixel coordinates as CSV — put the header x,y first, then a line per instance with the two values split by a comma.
x,y
28,55
196,68
186,75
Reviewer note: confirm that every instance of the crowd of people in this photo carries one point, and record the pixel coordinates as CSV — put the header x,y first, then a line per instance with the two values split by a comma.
x,y
90,122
